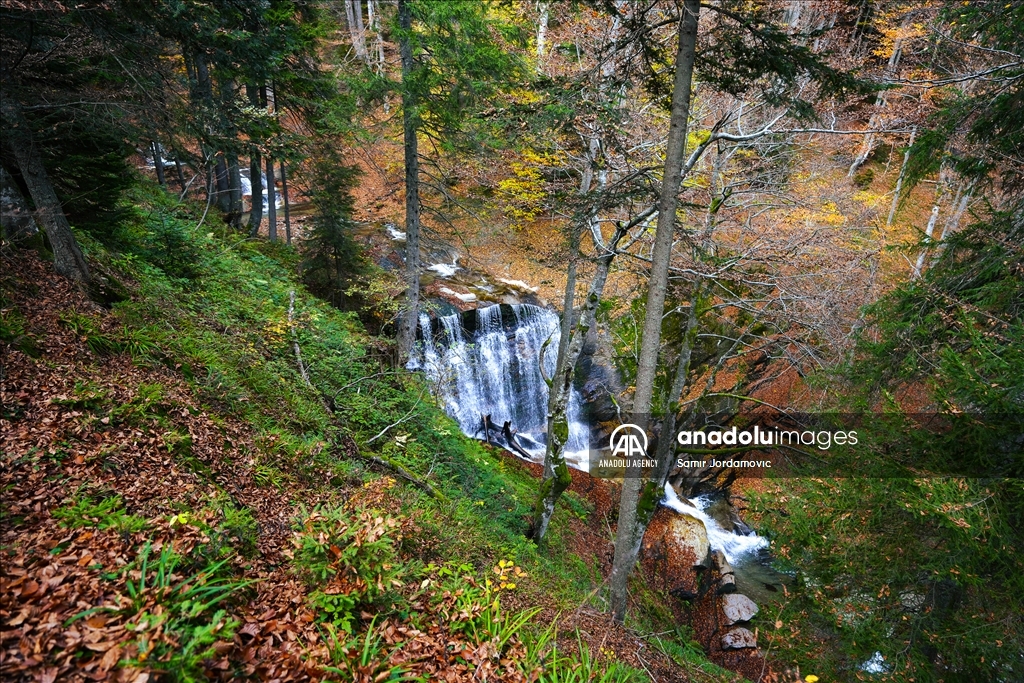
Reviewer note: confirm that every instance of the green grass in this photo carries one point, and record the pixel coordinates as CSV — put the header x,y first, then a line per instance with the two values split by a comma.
x,y
103,513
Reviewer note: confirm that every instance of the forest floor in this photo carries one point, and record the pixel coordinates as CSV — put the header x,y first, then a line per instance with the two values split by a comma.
x,y
165,519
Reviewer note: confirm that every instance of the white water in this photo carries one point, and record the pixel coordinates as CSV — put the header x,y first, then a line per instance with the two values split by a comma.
x,y
445,269
496,372
736,547
394,233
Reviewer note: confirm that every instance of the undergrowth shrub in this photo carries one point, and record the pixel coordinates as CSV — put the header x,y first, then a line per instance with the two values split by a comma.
x,y
351,559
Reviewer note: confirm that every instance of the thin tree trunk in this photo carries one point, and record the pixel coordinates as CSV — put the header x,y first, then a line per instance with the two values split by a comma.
x,y
255,172
271,197
287,209
626,542
256,205
378,39
555,478
271,202
899,180
868,144
67,256
542,31
952,223
180,173
158,163
410,120
556,473
217,167
357,8
234,192
928,232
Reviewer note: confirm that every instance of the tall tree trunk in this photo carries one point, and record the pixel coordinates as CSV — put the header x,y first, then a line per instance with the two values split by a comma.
x,y
928,232
627,544
216,166
556,478
234,192
542,31
899,180
223,185
271,188
67,256
271,202
158,163
180,173
255,172
287,209
410,121
373,13
354,17
868,143
15,216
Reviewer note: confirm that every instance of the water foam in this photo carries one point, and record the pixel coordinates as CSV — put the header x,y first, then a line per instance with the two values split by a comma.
x,y
736,547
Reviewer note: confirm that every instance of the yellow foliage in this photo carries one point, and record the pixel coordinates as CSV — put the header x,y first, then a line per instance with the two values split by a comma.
x,y
524,193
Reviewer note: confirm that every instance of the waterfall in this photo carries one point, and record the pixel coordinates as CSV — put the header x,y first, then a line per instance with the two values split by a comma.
x,y
487,362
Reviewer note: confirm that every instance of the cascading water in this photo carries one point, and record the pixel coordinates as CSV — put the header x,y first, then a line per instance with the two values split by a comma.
x,y
494,370
736,547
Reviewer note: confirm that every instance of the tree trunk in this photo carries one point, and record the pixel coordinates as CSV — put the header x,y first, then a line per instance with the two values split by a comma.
x,y
410,119
223,188
556,473
287,209
255,173
158,163
271,202
180,173
234,192
626,543
868,144
928,232
67,256
271,188
15,216
555,478
542,31
899,180
378,39
354,16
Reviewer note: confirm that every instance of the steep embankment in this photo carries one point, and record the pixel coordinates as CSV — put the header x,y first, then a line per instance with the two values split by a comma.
x,y
181,504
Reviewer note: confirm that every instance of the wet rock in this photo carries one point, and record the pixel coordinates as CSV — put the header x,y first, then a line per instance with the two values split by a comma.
x,y
738,608
738,639
673,545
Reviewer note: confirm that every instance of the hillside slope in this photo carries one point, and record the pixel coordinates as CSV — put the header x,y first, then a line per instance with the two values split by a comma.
x,y
180,504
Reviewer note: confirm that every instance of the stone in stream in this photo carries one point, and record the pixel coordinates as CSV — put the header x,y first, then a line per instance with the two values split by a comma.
x,y
737,608
673,545
738,639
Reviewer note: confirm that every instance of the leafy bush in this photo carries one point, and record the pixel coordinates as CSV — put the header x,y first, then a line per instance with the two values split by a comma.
x,y
353,559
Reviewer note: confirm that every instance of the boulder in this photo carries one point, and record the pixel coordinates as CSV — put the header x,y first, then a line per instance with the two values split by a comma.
x,y
673,545
738,639
737,608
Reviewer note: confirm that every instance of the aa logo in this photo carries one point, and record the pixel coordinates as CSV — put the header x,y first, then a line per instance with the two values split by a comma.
x,y
629,441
